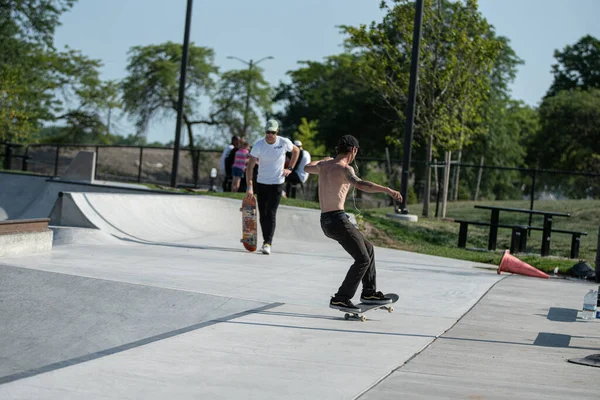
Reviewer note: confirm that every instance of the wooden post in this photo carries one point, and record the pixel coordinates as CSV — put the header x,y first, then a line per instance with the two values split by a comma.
x,y
141,163
457,176
427,194
435,173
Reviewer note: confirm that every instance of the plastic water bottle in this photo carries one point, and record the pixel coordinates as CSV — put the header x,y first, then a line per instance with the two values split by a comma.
x,y
589,305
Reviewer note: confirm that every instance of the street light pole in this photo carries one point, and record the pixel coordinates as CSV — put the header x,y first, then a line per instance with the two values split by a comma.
x,y
184,60
250,65
248,90
410,107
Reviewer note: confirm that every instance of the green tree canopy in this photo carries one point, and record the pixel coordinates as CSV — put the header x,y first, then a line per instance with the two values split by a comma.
x,y
457,56
334,100
39,84
32,21
307,134
569,137
242,99
151,87
578,66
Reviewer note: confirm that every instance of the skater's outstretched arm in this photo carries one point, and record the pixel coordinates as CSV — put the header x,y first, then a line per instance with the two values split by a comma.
x,y
369,187
314,167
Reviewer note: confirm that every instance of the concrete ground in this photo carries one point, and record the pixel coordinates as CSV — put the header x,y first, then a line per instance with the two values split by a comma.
x,y
156,298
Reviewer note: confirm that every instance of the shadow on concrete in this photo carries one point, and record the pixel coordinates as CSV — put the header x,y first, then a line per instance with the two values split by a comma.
x,y
558,314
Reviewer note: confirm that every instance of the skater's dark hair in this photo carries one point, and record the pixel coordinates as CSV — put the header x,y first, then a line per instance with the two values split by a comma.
x,y
346,143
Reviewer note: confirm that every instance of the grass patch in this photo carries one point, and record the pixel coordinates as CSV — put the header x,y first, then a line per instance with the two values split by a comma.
x,y
440,236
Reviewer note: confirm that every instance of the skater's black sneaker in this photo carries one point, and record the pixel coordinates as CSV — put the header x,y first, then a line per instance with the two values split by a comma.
x,y
343,304
374,298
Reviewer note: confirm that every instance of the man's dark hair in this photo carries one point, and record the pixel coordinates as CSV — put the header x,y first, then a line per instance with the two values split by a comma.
x,y
233,139
346,143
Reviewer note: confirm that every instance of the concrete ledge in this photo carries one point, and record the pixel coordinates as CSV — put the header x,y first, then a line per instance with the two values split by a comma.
x,y
27,236
403,217
18,244
24,225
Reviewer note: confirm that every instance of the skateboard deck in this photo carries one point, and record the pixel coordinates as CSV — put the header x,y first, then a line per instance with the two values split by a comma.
x,y
368,307
249,230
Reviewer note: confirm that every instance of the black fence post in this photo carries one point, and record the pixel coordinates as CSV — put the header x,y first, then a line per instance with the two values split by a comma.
x,y
140,166
7,156
196,166
56,160
96,166
532,196
25,160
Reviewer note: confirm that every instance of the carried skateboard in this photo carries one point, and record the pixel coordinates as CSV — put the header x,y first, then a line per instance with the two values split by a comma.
x,y
249,230
368,307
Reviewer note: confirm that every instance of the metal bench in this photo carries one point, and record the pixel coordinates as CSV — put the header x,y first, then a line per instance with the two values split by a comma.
x,y
575,238
518,240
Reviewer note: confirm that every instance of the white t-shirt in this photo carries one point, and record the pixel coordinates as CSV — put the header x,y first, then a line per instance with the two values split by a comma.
x,y
271,159
303,175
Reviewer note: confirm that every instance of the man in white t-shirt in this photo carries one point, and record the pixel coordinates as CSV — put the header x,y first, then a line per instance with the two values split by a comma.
x,y
270,150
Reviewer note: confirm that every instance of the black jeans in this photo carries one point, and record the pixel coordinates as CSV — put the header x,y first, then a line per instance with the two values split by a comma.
x,y
268,198
337,226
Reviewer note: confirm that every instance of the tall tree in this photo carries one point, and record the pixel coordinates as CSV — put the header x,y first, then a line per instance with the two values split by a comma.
x,y
335,100
244,97
150,89
569,137
32,21
457,55
39,84
506,128
571,128
578,66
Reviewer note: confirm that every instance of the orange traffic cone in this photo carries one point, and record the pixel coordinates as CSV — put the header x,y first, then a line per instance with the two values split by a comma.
x,y
514,265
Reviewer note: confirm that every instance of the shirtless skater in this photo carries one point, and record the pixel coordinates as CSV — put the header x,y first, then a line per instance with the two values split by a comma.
x,y
335,177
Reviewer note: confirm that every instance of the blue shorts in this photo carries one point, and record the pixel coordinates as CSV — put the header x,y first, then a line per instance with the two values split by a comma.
x,y
237,172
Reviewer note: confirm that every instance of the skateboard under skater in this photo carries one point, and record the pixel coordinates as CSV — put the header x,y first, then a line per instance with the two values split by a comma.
x,y
367,307
249,230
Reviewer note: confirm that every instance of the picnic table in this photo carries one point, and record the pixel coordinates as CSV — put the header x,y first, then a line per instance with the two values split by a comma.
x,y
547,227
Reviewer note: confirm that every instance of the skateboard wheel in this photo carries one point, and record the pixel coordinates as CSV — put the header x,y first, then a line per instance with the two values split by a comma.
x,y
347,316
363,318
391,309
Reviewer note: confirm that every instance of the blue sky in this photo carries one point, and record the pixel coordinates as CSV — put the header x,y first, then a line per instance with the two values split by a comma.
x,y
295,30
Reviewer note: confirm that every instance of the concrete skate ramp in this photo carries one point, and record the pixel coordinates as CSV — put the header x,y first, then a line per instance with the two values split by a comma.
x,y
52,320
31,196
192,219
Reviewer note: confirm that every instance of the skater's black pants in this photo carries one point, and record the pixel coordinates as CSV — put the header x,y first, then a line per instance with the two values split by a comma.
x,y
268,198
337,226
